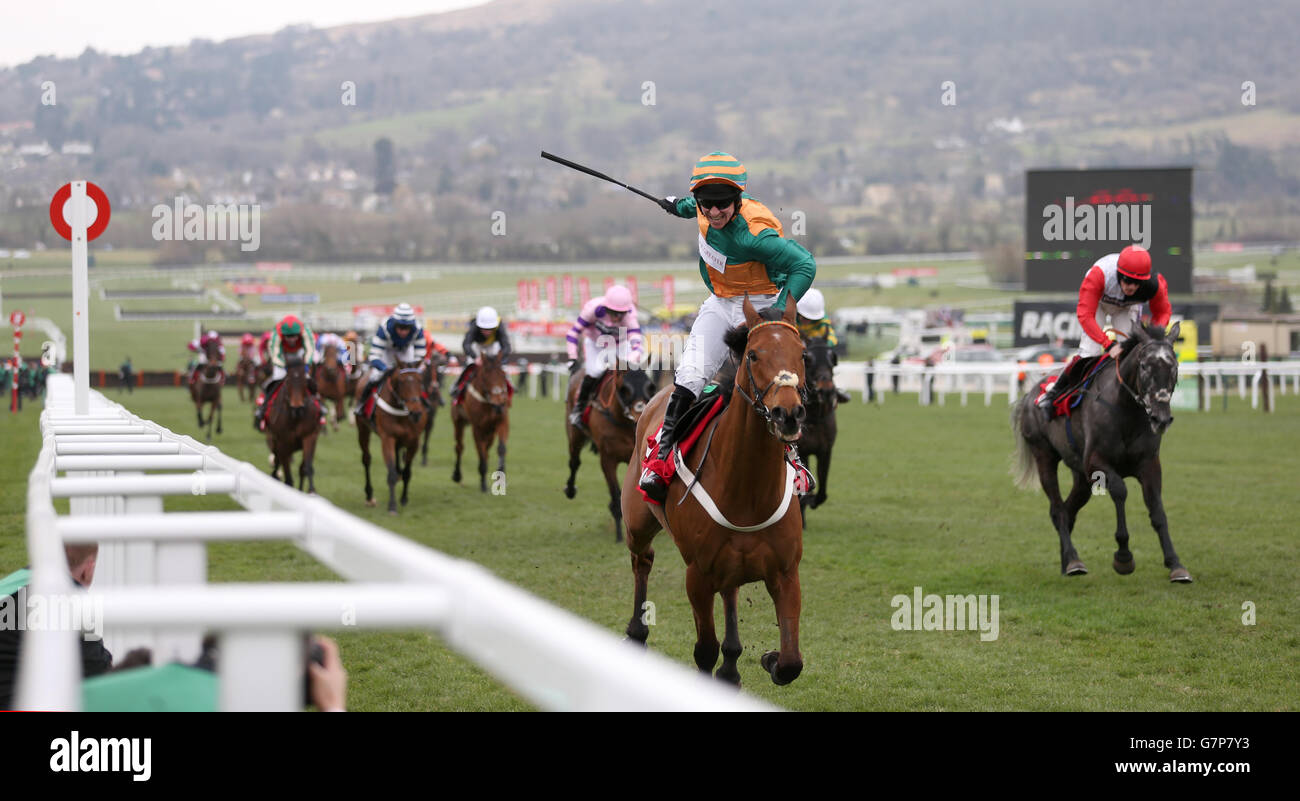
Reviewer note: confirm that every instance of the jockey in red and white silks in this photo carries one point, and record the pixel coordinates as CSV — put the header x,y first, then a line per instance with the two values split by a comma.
x,y
1113,295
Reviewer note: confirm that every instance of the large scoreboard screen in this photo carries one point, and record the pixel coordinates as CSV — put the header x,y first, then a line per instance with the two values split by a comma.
x,y
1074,217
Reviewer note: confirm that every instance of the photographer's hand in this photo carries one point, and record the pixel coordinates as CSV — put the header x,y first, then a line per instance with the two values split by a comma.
x,y
329,684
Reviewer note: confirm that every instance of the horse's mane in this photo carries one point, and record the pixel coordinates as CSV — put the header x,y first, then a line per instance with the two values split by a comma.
x,y
735,339
1154,331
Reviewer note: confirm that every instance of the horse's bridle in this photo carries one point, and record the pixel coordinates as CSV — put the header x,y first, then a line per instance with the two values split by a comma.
x,y
783,378
1161,395
387,407
478,396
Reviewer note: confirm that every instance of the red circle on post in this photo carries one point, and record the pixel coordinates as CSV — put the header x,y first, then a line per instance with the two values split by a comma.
x,y
102,211
17,318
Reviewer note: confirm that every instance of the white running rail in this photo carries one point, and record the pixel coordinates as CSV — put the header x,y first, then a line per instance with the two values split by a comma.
x,y
151,581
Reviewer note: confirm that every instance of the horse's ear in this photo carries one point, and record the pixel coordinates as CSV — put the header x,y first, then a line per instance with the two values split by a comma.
x,y
751,316
1139,332
790,312
1172,336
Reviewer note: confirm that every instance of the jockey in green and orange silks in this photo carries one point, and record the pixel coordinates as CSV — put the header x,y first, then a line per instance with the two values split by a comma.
x,y
743,252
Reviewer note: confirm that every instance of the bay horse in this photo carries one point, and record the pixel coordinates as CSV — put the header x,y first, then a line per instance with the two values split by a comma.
x,y
246,378
332,378
754,532
205,387
820,427
398,422
484,406
616,407
293,424
431,373
1114,433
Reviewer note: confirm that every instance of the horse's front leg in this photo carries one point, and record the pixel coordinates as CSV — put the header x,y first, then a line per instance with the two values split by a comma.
x,y
406,467
700,591
363,439
390,459
482,443
458,426
1149,474
307,469
503,433
731,648
219,413
1113,485
576,442
609,466
637,628
785,665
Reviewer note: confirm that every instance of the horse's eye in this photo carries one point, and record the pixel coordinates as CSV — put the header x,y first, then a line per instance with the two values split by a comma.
x,y
753,355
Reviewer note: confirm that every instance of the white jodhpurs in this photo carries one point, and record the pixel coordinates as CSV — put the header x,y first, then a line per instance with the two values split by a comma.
x,y
1119,318
705,351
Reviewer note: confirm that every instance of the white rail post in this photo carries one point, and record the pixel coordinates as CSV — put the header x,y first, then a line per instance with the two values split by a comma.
x,y
80,300
261,671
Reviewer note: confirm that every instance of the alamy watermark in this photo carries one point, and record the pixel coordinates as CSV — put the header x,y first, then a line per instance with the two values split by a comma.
x,y
193,222
920,612
1098,222
29,611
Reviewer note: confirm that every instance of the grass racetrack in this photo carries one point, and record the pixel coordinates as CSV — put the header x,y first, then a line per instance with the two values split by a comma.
x,y
917,497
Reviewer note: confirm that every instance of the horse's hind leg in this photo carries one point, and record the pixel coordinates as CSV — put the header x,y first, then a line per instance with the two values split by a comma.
x,y
218,416
700,592
785,665
391,456
428,434
1047,462
482,445
1150,476
731,648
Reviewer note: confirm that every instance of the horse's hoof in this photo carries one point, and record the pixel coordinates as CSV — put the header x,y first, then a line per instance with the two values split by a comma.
x,y
456,476
634,641
731,677
1180,575
1076,568
769,662
403,501
569,492
1123,568
371,503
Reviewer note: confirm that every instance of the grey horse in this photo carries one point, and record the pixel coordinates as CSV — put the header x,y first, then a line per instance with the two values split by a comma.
x,y
1112,434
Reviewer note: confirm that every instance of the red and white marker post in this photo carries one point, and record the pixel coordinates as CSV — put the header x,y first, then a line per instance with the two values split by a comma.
x,y
79,212
16,319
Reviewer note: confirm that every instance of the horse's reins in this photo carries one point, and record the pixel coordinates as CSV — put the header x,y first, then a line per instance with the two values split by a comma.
x,y
478,396
1134,395
693,486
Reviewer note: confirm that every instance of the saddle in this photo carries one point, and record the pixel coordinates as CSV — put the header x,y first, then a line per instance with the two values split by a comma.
x,y
691,425
595,394
1077,380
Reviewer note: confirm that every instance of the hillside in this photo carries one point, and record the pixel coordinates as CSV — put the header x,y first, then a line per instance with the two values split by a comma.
x,y
837,110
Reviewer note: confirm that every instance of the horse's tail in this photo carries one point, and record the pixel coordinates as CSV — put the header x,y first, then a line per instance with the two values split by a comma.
x,y
1024,470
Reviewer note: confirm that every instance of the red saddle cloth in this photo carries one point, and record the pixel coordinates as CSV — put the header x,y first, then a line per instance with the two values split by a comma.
x,y
1064,404
684,444
595,393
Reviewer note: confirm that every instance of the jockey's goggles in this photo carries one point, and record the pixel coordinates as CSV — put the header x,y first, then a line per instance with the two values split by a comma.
x,y
707,203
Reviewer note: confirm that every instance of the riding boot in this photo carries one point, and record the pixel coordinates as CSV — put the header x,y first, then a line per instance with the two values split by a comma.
x,y
584,397
259,415
365,395
842,396
654,482
1057,387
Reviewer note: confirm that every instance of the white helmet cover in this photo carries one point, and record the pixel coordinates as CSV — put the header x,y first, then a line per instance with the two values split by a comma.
x,y
487,317
812,305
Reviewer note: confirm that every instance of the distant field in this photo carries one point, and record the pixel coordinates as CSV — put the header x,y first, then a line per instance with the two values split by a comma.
x,y
457,291
918,497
